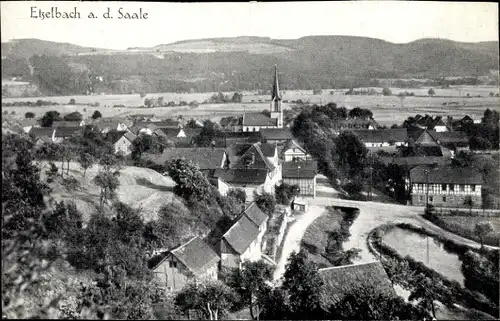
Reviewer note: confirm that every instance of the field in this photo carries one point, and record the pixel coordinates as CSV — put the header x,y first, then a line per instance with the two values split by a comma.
x,y
315,238
464,226
387,110
139,187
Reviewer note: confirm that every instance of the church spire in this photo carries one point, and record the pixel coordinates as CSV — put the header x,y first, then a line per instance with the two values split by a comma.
x,y
276,86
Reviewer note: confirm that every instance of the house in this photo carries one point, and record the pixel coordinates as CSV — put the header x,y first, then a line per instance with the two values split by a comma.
x,y
292,151
144,118
62,133
144,128
453,140
122,141
206,158
353,124
385,138
302,174
278,136
114,125
339,280
191,260
243,240
262,157
446,186
42,135
249,180
68,123
430,123
253,122
28,123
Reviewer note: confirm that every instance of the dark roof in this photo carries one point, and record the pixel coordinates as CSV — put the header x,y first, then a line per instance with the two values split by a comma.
x,y
429,150
255,214
192,132
204,157
292,144
42,131
292,170
241,234
467,119
67,131
170,132
241,175
413,161
130,136
340,280
28,122
355,123
269,150
258,119
446,174
276,133
66,123
448,137
382,135
114,136
196,255
255,158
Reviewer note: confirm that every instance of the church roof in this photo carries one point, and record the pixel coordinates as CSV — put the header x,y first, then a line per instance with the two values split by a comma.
x,y
258,119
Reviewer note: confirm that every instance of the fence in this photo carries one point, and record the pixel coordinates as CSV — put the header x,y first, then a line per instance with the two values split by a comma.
x,y
443,211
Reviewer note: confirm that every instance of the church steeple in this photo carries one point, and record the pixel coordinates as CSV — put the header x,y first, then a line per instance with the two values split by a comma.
x,y
276,110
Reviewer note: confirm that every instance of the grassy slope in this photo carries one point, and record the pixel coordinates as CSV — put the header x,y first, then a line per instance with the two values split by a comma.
x,y
139,187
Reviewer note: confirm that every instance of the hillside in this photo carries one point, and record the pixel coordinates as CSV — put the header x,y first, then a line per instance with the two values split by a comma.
x,y
139,187
242,63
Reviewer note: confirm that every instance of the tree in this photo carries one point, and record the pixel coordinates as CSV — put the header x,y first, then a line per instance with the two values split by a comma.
x,y
350,153
237,97
49,118
302,282
266,112
238,193
108,182
368,303
483,229
86,161
427,291
74,116
212,298
360,113
251,280
266,202
72,101
478,142
274,304
207,135
431,92
192,185
286,193
399,272
29,115
97,114
386,91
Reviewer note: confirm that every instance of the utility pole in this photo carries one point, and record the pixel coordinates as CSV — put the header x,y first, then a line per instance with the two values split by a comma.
x,y
371,177
426,189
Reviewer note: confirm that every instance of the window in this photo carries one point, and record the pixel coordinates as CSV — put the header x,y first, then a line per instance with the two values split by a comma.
x,y
443,187
444,199
431,199
452,187
172,264
420,198
462,188
473,187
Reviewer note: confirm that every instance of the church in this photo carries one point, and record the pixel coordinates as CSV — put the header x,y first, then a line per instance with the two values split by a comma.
x,y
254,122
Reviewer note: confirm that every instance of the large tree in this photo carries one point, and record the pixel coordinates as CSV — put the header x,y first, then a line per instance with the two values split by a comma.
x,y
429,290
350,153
482,229
49,118
302,283
74,116
192,185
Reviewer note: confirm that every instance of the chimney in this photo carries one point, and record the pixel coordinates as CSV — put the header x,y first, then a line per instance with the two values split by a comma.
x,y
253,158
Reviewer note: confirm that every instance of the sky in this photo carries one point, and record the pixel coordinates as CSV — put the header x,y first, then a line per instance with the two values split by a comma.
x,y
394,21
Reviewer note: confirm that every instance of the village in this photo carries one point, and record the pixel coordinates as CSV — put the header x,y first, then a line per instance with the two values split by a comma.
x,y
284,186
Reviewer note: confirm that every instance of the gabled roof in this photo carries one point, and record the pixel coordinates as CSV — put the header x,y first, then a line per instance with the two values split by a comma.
x,y
448,137
28,122
142,125
413,161
339,280
170,132
112,124
292,144
241,234
195,254
241,175
254,158
204,157
42,131
382,135
255,214
130,136
299,169
258,119
66,131
426,139
114,136
429,150
446,174
66,123
276,133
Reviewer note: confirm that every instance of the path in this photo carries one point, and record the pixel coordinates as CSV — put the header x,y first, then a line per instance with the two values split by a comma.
x,y
294,236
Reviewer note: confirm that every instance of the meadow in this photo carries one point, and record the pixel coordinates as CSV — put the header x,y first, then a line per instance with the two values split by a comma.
x,y
387,110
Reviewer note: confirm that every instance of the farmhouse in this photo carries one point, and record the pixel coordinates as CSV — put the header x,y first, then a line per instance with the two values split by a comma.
x,y
252,122
42,135
62,133
340,280
206,158
243,241
302,174
385,138
249,180
446,186
193,259
122,141
67,123
278,136
28,124
114,125
292,151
